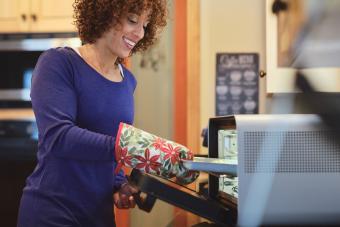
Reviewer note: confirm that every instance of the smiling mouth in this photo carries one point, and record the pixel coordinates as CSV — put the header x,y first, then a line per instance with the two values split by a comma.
x,y
130,44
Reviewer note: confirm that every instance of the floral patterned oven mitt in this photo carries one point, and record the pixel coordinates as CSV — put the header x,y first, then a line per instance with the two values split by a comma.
x,y
141,150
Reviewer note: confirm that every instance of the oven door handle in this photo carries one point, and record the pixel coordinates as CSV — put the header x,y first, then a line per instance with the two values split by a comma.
x,y
215,166
144,202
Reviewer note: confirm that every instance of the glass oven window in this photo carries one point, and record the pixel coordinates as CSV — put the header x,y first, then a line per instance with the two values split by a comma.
x,y
15,76
227,149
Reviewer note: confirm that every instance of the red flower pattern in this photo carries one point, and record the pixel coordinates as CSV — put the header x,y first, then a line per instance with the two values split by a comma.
x,y
172,153
158,143
148,162
122,158
189,156
160,156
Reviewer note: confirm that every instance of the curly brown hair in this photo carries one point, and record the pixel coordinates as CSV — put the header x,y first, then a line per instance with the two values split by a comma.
x,y
94,17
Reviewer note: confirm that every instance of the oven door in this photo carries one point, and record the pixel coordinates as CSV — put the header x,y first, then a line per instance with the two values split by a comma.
x,y
18,58
178,195
18,147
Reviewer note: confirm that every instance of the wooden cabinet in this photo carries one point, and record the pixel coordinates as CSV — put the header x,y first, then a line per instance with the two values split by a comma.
x,y
52,14
22,16
12,17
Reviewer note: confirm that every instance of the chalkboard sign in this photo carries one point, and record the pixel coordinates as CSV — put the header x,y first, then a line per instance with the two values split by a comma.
x,y
237,83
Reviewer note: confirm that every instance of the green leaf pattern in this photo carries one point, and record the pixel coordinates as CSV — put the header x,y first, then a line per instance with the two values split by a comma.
x,y
160,159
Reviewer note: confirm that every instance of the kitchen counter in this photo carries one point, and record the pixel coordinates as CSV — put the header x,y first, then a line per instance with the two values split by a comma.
x,y
16,114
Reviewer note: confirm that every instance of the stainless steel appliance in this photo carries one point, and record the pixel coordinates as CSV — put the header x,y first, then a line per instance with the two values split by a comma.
x,y
288,168
18,131
17,60
287,173
18,147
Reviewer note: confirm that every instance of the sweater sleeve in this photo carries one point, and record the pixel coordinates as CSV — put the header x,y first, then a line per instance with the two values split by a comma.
x,y
54,102
120,179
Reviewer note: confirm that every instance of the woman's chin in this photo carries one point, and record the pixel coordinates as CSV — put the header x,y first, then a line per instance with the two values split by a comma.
x,y
125,55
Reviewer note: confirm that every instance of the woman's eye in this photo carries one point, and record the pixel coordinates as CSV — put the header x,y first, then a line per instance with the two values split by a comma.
x,y
132,21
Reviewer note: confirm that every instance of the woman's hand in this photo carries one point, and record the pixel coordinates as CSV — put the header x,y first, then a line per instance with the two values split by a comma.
x,y
152,154
123,198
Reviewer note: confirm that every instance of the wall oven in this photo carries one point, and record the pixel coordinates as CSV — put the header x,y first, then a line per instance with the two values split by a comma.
x,y
17,61
18,129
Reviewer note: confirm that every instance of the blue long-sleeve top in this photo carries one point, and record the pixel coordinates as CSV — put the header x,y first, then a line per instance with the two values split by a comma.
x,y
77,112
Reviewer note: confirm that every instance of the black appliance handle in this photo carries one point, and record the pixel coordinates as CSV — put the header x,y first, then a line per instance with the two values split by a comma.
x,y
146,203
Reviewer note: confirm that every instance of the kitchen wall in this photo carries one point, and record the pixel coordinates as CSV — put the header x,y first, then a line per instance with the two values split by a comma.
x,y
226,26
229,26
154,110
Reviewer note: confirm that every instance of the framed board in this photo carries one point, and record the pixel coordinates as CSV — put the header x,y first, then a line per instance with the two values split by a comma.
x,y
237,85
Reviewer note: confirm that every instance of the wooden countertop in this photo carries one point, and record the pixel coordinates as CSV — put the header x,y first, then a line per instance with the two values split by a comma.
x,y
16,114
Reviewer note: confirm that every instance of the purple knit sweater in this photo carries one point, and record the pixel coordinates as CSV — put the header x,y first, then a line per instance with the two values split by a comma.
x,y
77,112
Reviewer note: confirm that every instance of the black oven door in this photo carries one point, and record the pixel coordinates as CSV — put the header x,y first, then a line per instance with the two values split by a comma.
x,y
15,77
182,197
18,147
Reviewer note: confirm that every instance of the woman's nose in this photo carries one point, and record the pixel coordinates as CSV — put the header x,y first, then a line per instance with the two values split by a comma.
x,y
139,31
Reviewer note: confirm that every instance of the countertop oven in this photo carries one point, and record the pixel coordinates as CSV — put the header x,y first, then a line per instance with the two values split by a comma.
x,y
287,173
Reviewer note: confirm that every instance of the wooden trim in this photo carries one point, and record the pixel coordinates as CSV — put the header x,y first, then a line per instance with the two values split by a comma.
x,y
193,86
193,75
180,76
180,86
122,217
187,86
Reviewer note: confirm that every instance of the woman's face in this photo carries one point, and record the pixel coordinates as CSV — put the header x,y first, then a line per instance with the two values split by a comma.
x,y
122,38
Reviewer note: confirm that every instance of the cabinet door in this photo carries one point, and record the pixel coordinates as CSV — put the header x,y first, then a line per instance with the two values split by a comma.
x,y
51,16
14,16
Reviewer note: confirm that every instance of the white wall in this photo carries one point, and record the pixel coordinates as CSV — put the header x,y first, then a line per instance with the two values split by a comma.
x,y
153,95
154,111
226,26
229,26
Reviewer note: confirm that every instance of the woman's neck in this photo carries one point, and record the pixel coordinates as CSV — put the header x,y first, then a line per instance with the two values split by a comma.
x,y
101,60
100,57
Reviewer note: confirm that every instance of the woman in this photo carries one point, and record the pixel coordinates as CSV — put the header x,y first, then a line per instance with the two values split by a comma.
x,y
79,97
